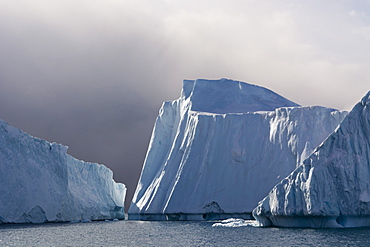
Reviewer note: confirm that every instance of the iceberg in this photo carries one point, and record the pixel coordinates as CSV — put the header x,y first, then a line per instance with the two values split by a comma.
x,y
40,182
221,147
331,188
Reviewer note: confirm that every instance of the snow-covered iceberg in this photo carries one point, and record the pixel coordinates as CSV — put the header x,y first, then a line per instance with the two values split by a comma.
x,y
40,182
217,150
331,188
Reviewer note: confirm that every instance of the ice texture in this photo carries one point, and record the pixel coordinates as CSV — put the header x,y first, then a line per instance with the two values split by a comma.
x,y
217,150
40,182
235,223
331,188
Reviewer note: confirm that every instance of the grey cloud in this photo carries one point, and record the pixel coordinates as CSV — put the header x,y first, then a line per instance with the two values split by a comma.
x,y
93,74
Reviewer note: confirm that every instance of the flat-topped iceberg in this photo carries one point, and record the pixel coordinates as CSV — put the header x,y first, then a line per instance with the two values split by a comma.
x,y
217,150
331,188
40,182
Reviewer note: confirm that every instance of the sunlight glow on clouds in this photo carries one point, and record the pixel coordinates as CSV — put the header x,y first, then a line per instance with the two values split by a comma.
x,y
105,66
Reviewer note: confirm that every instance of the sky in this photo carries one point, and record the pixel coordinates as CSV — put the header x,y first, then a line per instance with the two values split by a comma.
x,y
92,74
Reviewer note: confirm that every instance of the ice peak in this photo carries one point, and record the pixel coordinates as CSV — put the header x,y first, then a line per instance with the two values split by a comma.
x,y
366,99
187,88
229,96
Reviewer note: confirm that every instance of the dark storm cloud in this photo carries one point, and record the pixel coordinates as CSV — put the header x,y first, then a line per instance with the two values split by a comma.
x,y
70,79
92,74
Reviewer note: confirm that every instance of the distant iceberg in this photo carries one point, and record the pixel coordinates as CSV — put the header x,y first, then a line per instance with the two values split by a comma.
x,y
331,188
39,183
217,150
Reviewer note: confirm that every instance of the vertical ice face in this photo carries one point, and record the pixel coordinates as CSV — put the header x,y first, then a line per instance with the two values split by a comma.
x,y
39,182
221,147
331,188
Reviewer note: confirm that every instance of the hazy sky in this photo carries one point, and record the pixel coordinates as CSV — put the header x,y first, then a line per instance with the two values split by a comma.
x,y
92,74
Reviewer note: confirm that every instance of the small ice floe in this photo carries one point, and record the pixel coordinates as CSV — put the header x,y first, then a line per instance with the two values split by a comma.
x,y
113,220
235,223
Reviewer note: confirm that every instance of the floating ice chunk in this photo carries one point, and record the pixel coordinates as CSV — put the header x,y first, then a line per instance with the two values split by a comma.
x,y
235,223
86,221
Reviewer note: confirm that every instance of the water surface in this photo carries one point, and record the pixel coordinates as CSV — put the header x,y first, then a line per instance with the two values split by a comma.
x,y
171,233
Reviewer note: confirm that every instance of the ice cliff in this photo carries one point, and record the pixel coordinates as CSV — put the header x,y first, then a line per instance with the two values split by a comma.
x,y
217,150
40,182
331,188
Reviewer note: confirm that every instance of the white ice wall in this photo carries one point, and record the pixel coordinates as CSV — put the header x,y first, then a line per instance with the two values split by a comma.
x,y
199,161
332,186
40,182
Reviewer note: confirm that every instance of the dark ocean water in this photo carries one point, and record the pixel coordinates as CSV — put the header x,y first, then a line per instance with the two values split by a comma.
x,y
167,233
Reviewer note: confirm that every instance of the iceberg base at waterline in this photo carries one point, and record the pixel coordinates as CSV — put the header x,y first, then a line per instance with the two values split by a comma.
x,y
314,221
40,182
190,216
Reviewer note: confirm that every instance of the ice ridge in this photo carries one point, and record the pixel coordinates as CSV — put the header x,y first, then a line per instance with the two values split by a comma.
x,y
228,96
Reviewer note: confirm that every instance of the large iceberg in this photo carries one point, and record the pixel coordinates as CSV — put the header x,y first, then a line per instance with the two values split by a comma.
x,y
331,188
217,150
40,182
